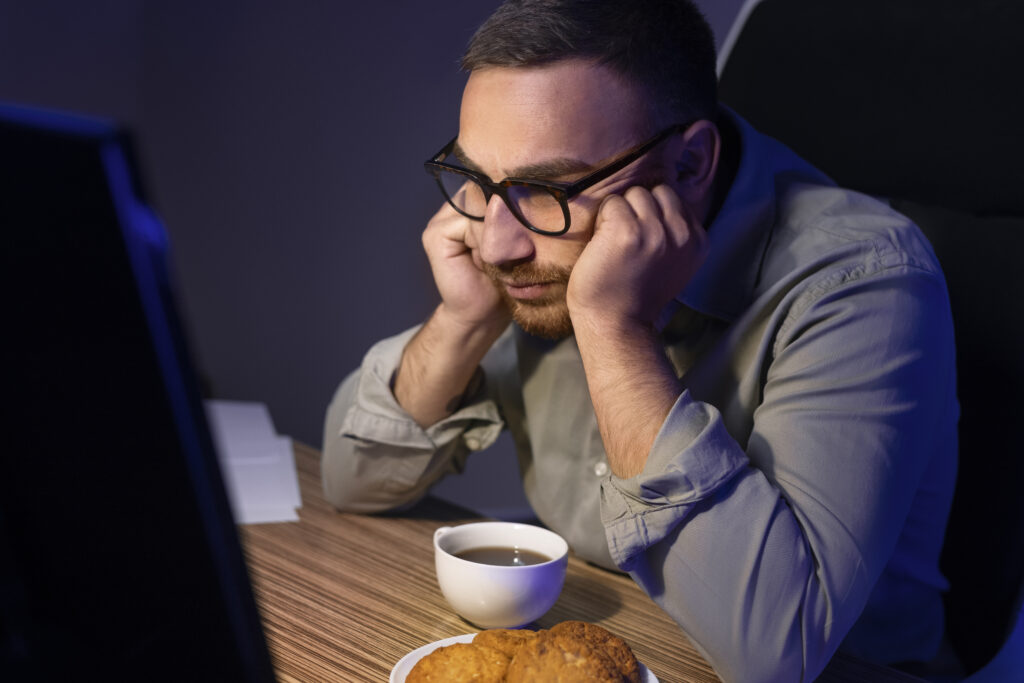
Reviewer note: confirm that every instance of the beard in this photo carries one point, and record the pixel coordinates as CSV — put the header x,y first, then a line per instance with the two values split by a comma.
x,y
546,316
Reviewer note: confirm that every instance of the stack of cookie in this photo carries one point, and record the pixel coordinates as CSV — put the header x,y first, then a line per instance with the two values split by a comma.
x,y
569,651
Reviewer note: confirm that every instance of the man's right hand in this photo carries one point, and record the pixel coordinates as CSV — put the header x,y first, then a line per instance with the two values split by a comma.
x,y
440,360
468,295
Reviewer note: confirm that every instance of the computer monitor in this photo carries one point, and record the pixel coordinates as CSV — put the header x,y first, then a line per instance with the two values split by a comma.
x,y
119,558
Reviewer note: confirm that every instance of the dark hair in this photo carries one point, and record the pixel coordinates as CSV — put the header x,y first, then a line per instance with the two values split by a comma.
x,y
664,46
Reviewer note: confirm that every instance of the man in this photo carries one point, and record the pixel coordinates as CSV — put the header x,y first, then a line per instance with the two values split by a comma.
x,y
725,375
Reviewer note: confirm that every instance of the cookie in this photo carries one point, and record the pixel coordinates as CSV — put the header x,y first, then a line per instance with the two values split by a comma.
x,y
505,640
616,648
459,663
565,658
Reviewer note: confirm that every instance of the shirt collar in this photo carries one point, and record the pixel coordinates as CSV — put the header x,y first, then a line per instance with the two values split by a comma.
x,y
740,232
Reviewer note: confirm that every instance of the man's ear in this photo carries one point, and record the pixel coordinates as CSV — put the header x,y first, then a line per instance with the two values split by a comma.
x,y
695,154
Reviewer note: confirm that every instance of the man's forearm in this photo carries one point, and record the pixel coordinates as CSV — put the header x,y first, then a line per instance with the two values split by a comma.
x,y
632,386
438,364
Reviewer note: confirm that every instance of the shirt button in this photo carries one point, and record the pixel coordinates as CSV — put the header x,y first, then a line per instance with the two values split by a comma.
x,y
473,444
601,469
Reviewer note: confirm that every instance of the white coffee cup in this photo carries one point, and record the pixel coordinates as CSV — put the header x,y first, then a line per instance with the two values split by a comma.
x,y
493,596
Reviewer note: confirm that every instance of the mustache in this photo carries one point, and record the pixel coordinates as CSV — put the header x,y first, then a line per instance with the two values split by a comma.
x,y
527,273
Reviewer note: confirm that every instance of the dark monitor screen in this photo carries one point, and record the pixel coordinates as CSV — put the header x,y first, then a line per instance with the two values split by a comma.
x,y
119,559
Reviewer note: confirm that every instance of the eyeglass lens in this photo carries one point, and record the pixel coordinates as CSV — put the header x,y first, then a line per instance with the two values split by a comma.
x,y
531,203
464,193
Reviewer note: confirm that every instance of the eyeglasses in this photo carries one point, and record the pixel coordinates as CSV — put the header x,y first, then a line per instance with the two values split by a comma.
x,y
541,206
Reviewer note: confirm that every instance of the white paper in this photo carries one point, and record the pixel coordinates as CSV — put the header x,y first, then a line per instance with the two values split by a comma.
x,y
242,430
258,466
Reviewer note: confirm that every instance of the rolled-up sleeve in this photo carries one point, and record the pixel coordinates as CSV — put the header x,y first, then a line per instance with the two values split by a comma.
x,y
766,553
642,511
376,457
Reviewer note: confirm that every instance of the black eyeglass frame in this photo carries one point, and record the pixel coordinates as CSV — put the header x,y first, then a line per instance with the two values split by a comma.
x,y
562,192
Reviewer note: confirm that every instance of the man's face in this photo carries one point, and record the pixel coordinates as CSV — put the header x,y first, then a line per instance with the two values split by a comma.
x,y
555,122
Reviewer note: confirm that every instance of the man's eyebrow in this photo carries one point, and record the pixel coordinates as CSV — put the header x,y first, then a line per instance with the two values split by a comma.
x,y
460,154
551,169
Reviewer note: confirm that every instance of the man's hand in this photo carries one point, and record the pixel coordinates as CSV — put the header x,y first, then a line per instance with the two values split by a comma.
x,y
467,294
440,360
645,249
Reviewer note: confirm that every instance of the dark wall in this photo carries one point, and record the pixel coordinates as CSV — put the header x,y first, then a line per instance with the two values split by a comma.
x,y
80,56
286,143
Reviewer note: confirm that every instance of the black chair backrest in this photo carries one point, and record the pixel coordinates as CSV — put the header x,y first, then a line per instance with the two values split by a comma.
x,y
922,103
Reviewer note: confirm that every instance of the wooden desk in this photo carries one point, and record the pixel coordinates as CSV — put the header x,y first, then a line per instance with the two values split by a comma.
x,y
344,597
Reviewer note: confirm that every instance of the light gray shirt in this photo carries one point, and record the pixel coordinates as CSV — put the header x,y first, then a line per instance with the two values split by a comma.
x,y
796,496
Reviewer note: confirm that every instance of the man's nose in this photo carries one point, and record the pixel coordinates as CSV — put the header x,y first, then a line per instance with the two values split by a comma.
x,y
502,238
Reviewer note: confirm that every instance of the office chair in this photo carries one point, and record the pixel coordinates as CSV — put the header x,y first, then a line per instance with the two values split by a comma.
x,y
920,103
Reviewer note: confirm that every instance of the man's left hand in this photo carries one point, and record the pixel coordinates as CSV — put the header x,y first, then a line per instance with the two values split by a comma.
x,y
645,249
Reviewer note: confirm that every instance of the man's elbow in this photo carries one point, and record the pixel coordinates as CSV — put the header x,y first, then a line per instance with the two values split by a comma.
x,y
339,489
349,490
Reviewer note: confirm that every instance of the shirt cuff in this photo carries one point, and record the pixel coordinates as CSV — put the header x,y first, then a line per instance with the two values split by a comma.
x,y
375,415
692,457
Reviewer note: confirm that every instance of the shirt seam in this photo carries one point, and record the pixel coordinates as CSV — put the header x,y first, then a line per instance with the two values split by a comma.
x,y
840,278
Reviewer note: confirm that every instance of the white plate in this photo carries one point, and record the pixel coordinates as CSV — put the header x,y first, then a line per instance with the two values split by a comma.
x,y
406,663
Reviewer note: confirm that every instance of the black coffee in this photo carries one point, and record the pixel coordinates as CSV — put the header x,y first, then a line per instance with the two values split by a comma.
x,y
503,556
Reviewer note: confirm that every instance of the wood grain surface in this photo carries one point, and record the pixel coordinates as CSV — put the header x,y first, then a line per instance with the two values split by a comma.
x,y
343,597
